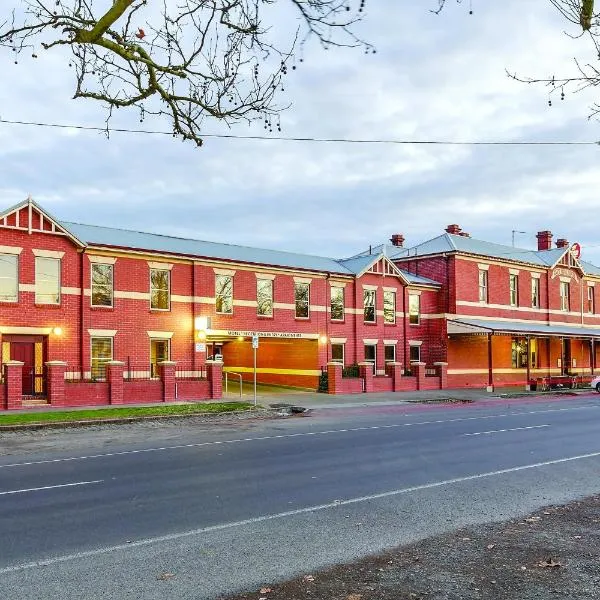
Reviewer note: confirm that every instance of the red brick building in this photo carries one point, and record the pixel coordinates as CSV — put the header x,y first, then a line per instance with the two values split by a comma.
x,y
88,296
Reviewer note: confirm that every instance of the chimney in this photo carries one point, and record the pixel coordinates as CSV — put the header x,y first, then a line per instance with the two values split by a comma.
x,y
453,229
544,239
397,240
562,243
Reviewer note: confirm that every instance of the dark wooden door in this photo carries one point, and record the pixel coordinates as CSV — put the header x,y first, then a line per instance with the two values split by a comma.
x,y
25,352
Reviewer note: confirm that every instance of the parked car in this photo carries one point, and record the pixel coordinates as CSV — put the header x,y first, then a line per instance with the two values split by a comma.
x,y
595,383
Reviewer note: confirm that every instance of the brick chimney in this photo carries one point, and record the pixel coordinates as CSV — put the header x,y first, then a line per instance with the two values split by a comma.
x,y
397,240
562,243
544,239
453,229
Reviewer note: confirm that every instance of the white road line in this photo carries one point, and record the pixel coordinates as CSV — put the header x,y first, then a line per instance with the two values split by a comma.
x,y
289,435
505,430
281,515
51,487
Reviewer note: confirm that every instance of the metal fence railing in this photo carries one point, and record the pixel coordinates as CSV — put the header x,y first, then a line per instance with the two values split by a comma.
x,y
190,372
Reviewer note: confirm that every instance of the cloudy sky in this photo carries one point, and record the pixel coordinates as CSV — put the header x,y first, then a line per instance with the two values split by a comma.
x,y
432,78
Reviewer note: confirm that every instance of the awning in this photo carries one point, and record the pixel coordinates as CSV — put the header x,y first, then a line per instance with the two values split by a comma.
x,y
477,326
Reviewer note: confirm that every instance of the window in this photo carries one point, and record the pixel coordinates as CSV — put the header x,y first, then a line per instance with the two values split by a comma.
x,y
9,278
102,285
414,309
302,299
102,352
371,355
160,295
535,292
514,290
415,353
224,294
533,353
47,280
390,353
565,293
337,353
264,297
337,303
591,301
369,306
159,351
483,285
389,307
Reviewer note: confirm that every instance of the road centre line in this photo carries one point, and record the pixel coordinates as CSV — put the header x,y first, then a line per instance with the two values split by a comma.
x,y
281,515
288,435
505,430
51,487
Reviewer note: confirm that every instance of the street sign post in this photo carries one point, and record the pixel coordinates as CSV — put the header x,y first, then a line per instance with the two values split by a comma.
x,y
254,349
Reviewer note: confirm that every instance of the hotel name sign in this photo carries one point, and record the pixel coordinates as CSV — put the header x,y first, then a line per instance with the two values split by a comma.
x,y
264,334
562,272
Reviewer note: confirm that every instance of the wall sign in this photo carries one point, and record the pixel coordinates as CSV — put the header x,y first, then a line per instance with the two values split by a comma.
x,y
200,347
562,272
265,334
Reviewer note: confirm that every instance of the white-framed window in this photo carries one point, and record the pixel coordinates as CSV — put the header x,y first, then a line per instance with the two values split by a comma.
x,y
535,292
414,309
337,303
102,284
389,307
9,278
390,352
591,300
101,353
337,353
160,289
302,300
565,296
369,299
160,350
483,285
264,297
415,353
47,280
514,289
371,355
224,294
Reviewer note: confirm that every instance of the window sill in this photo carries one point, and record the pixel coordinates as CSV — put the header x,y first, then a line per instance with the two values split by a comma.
x,y
339,321
220,314
306,319
370,323
50,306
106,308
265,317
390,324
160,310
6,304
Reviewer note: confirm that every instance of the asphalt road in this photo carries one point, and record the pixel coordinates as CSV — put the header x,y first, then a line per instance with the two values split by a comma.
x,y
104,513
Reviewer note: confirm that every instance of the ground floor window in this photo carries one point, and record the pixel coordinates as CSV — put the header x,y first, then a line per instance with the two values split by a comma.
x,y
102,352
159,351
337,353
390,353
415,354
521,357
371,355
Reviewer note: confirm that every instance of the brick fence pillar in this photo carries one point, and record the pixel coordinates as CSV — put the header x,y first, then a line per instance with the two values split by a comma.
x,y
166,370
114,376
13,380
55,382
334,377
394,370
365,370
214,373
442,372
418,369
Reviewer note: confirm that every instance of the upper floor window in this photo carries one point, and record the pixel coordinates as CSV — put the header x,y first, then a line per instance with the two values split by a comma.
x,y
160,292
565,293
591,300
535,292
369,306
414,309
102,285
9,277
337,303
389,307
514,290
302,300
264,297
483,285
224,294
47,280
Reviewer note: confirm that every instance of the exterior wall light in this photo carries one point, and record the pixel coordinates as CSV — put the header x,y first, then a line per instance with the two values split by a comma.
x,y
57,331
240,338
323,339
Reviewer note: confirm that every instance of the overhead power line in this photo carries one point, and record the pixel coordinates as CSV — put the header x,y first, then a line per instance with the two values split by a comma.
x,y
310,139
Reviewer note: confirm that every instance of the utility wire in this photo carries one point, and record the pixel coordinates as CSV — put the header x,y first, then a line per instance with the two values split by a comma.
x,y
308,139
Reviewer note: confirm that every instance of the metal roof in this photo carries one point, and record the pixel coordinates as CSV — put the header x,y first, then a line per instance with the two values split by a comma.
x,y
466,326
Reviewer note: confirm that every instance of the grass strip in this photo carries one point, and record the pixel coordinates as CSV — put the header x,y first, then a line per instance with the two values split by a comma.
x,y
125,412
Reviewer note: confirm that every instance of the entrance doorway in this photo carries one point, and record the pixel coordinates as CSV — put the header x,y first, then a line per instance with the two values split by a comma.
x,y
566,356
30,353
